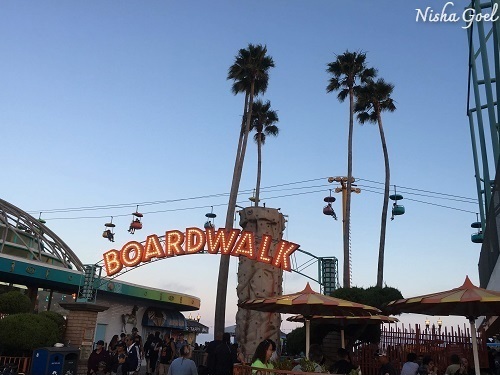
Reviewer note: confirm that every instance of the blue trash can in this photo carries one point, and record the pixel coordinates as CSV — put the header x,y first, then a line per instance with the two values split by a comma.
x,y
54,361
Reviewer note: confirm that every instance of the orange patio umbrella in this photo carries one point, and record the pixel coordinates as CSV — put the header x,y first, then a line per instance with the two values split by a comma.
x,y
467,300
343,321
308,303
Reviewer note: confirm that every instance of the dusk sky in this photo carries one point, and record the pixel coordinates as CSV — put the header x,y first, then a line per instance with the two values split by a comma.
x,y
108,103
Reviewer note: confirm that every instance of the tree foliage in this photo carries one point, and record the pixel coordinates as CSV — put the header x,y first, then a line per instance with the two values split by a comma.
x,y
372,99
373,296
263,121
347,72
296,341
59,320
250,74
20,333
14,302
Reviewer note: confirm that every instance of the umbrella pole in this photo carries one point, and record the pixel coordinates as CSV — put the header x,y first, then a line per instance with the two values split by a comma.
x,y
308,334
342,339
474,345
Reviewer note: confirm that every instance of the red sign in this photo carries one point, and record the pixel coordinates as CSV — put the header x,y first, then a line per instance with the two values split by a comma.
x,y
232,242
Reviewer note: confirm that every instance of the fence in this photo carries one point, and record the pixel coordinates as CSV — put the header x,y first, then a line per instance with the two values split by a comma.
x,y
23,363
439,344
247,370
198,357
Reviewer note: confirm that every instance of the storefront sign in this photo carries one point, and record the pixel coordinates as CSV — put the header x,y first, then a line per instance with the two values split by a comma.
x,y
233,242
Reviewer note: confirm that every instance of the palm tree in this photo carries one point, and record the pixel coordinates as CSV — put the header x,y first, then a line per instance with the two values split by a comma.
x,y
371,100
347,71
250,75
263,122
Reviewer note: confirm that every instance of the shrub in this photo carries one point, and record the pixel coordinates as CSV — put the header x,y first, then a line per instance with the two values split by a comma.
x,y
14,302
24,332
296,341
58,319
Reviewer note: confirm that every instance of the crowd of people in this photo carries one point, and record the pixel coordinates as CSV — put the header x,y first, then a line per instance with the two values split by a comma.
x,y
425,366
172,356
125,353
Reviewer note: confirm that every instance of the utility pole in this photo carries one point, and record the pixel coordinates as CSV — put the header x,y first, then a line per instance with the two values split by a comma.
x,y
346,230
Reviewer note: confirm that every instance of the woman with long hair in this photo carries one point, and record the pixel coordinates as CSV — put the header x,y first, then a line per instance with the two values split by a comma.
x,y
262,356
112,344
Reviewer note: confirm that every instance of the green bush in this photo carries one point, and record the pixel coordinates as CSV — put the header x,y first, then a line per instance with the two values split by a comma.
x,y
373,296
58,319
20,333
296,341
14,302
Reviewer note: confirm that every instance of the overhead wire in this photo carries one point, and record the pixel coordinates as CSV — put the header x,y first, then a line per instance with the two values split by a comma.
x,y
424,195
148,203
268,189
425,191
429,203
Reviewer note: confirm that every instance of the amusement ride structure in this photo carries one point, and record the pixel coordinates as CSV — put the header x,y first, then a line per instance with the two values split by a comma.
x,y
483,114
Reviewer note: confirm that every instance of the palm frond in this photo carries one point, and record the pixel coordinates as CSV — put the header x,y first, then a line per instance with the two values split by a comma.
x,y
271,130
363,117
373,98
264,120
251,65
342,95
346,71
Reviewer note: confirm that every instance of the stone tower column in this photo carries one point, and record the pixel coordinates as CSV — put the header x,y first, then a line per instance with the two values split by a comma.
x,y
80,329
257,279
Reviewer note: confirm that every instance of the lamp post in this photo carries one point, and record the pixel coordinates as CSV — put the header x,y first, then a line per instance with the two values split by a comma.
x,y
198,317
428,324
345,229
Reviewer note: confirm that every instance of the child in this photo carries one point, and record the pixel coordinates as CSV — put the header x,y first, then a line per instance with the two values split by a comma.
x,y
101,368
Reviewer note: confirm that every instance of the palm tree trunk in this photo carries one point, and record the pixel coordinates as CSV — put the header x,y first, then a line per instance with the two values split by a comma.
x,y
220,301
259,170
347,213
381,249
240,140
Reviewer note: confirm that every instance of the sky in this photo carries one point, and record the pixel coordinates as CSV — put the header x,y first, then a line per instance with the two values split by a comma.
x,y
124,102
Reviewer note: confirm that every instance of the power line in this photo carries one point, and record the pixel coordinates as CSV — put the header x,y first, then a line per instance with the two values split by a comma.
x,y
268,189
426,195
424,191
430,203
149,203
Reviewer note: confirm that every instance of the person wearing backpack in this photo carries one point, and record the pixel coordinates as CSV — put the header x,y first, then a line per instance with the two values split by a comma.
x,y
166,355
154,352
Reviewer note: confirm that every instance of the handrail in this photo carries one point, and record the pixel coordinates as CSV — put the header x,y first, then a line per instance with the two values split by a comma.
x,y
239,369
23,363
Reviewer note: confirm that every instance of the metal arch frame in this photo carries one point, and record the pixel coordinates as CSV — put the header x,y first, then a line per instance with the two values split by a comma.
x,y
90,284
18,221
484,112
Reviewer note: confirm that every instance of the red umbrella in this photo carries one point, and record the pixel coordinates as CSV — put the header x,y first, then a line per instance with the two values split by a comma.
x,y
467,300
308,303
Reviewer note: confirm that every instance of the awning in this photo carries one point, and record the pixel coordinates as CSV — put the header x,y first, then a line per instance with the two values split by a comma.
x,y
196,327
154,317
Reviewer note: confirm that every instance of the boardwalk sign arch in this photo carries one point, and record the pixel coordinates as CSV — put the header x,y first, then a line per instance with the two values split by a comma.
x,y
194,240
